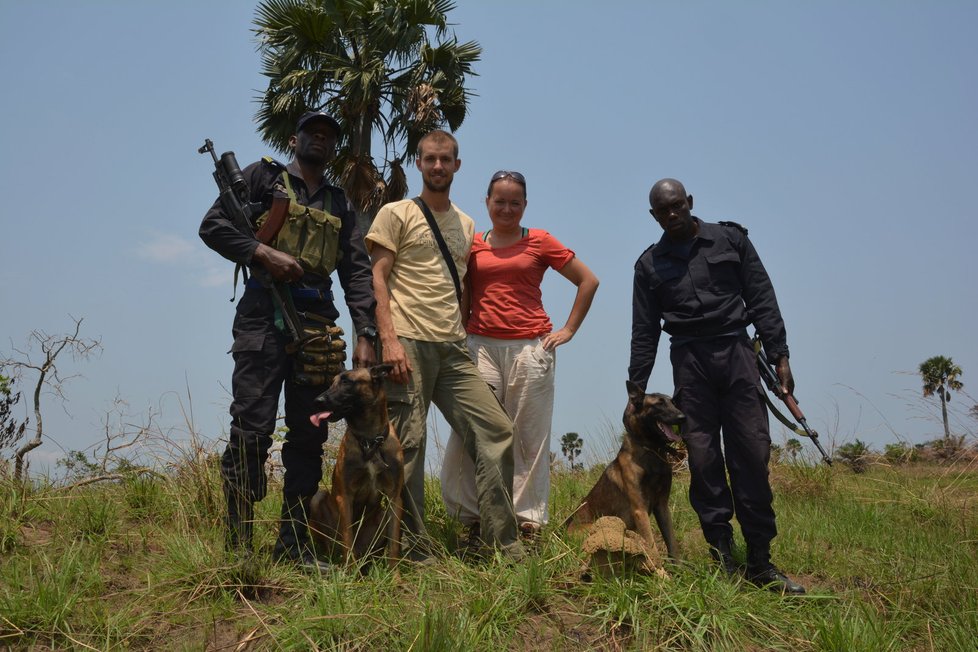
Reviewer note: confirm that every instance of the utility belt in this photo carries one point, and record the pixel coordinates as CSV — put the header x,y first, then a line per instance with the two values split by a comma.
x,y
676,341
302,294
319,353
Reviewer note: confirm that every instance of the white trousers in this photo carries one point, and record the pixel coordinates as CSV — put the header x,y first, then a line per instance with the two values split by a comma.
x,y
522,375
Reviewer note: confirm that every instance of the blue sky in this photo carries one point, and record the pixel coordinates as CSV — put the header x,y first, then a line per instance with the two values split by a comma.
x,y
843,135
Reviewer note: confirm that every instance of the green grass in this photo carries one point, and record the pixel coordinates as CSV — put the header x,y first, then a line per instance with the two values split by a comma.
x,y
890,557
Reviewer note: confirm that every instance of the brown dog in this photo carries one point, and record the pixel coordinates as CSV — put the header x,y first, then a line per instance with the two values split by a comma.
x,y
363,510
639,479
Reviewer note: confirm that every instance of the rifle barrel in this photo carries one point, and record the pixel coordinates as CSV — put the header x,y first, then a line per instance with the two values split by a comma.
x,y
233,189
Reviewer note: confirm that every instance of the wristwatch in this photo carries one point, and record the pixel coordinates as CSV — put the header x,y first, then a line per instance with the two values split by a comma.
x,y
369,332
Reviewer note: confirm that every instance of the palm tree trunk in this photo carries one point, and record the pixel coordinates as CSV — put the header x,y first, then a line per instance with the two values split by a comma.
x,y
947,431
360,141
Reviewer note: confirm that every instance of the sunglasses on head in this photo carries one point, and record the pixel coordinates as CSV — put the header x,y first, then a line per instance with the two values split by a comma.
x,y
508,174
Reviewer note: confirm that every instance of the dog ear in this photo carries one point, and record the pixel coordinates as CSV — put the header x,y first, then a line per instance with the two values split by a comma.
x,y
380,371
635,393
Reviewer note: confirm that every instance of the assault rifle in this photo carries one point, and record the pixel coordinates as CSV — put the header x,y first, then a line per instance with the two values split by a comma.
x,y
235,196
770,378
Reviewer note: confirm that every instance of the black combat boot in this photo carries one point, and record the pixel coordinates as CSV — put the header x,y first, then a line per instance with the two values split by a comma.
x,y
240,523
761,572
293,537
722,553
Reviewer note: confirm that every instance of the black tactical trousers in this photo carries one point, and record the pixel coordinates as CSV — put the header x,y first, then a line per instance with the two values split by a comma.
x,y
717,388
261,368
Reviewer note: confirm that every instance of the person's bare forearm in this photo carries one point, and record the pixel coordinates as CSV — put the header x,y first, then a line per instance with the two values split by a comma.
x,y
582,303
385,322
391,349
587,284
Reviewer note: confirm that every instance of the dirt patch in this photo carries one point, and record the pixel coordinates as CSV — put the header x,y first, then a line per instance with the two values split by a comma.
x,y
37,534
562,627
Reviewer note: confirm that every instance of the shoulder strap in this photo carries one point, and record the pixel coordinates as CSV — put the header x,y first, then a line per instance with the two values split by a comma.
x,y
739,227
441,245
523,233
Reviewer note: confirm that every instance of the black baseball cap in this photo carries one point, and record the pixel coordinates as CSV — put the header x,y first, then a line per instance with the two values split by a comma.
x,y
309,116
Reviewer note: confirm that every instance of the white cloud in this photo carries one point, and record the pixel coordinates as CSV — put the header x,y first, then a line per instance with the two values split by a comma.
x,y
214,276
165,248
202,264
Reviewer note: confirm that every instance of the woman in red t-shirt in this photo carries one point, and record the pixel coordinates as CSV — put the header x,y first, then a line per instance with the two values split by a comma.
x,y
513,342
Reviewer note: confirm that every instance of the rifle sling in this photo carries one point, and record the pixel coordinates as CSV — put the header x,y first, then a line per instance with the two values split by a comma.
x,y
788,423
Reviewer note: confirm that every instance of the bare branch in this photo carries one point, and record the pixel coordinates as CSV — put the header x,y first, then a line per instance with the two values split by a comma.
x,y
48,375
114,476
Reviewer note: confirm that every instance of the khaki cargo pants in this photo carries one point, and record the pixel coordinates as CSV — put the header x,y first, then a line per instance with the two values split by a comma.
x,y
444,374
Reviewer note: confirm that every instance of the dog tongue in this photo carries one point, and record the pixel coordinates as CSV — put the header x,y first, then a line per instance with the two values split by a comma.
x,y
319,418
671,432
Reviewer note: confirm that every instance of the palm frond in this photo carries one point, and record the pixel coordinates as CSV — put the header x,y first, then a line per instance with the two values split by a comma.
x,y
372,65
397,185
361,180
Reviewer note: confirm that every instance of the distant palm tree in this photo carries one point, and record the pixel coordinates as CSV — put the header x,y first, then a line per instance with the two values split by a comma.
x,y
372,65
570,446
940,375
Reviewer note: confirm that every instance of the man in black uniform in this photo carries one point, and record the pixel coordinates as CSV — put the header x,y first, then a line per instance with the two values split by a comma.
x,y
703,284
318,236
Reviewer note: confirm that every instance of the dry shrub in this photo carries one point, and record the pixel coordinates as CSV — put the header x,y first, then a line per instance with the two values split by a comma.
x,y
801,480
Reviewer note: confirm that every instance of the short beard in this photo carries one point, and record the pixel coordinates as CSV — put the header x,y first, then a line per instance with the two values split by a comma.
x,y
446,186
314,160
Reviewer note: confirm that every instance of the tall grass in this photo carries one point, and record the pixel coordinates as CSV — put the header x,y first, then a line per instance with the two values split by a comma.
x,y
889,557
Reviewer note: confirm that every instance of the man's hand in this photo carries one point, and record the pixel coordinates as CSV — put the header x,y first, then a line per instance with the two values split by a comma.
x,y
783,370
364,355
279,264
394,354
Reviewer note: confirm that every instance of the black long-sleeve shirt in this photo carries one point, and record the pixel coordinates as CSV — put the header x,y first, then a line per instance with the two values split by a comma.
x,y
353,268
713,285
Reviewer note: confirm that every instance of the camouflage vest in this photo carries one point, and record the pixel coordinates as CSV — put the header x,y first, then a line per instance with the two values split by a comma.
x,y
310,235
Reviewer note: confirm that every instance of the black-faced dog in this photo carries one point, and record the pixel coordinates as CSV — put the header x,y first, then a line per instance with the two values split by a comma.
x,y
639,479
362,512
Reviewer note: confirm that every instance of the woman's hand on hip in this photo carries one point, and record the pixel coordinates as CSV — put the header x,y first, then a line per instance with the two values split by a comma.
x,y
552,340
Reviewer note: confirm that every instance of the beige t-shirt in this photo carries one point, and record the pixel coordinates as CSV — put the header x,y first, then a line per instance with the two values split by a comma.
x,y
423,302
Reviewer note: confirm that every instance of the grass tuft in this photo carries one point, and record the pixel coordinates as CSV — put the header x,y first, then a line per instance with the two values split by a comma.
x,y
139,563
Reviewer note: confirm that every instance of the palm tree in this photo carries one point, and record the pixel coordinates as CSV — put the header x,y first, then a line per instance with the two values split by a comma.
x,y
570,446
940,375
372,65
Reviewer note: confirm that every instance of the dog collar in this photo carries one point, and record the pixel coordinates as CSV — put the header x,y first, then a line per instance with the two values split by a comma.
x,y
370,445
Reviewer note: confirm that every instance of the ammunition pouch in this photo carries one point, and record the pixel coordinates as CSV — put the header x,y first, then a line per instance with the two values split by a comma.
x,y
310,235
319,356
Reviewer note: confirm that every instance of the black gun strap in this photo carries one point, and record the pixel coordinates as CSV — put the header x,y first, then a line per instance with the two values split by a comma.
x,y
441,245
762,360
788,423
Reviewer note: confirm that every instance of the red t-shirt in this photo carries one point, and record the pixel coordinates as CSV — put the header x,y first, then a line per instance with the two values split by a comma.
x,y
505,284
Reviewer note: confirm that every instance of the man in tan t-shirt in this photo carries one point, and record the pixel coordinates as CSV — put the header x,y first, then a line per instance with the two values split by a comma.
x,y
419,323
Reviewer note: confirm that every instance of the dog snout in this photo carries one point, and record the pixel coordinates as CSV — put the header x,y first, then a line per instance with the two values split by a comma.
x,y
323,400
